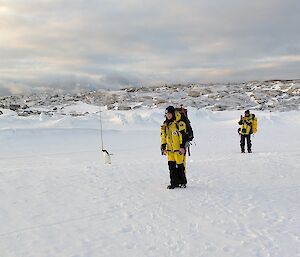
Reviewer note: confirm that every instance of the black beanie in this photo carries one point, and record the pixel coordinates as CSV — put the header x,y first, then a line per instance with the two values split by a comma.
x,y
170,109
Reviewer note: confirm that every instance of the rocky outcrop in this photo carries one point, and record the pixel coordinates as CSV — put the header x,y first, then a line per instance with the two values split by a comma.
x,y
279,95
14,107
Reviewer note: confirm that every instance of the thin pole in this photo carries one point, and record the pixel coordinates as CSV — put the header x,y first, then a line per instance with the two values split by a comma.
x,y
101,133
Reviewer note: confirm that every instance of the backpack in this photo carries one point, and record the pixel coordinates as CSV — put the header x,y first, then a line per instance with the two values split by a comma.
x,y
185,119
254,124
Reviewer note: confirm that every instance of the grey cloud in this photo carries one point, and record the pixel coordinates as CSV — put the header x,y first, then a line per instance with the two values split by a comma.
x,y
143,42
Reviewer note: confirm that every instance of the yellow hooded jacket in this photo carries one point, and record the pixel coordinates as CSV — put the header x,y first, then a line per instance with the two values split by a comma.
x,y
171,133
246,125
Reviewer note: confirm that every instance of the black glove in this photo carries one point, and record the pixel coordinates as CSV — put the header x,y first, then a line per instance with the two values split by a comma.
x,y
163,148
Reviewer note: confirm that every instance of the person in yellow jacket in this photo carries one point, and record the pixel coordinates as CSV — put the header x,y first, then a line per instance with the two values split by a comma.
x,y
245,131
173,140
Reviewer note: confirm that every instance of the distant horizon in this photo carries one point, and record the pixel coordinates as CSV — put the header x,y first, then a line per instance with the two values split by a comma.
x,y
44,89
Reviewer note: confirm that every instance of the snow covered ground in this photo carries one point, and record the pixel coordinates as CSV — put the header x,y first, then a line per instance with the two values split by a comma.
x,y
59,199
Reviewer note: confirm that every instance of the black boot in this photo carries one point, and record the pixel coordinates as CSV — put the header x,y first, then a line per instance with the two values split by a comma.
x,y
172,186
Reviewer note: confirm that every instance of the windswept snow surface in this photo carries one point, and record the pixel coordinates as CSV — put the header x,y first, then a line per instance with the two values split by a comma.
x,y
59,199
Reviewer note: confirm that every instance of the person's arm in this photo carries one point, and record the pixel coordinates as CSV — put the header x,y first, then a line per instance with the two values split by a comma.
x,y
163,145
241,120
249,122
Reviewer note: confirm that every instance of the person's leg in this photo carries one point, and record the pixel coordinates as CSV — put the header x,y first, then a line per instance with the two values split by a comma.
x,y
180,162
181,173
173,171
242,142
249,144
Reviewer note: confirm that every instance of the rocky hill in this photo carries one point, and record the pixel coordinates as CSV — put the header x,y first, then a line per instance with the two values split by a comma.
x,y
275,95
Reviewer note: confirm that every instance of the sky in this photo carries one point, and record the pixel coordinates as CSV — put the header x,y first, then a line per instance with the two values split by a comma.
x,y
89,44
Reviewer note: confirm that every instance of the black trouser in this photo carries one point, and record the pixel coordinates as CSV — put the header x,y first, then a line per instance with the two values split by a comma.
x,y
243,139
177,173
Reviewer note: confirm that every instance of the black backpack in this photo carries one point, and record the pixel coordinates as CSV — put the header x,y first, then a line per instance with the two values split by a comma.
x,y
185,119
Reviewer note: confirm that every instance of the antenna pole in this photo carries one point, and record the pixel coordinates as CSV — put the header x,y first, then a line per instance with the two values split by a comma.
x,y
106,155
101,130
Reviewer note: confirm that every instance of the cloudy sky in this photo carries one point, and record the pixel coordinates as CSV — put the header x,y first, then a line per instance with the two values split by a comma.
x,y
109,43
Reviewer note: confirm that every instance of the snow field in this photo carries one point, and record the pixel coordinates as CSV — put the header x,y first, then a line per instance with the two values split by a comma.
x,y
59,199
